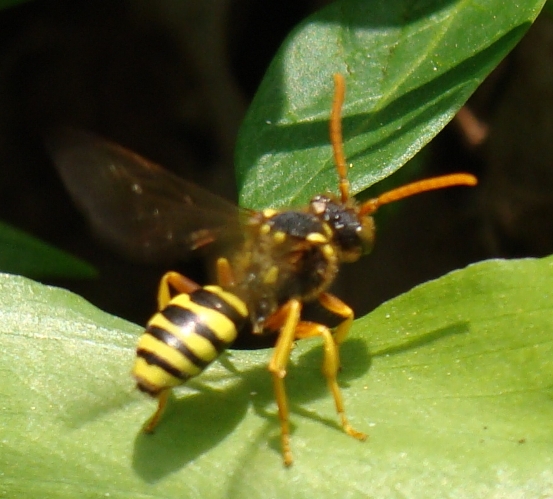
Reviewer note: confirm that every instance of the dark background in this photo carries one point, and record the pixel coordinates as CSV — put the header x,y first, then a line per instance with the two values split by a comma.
x,y
172,79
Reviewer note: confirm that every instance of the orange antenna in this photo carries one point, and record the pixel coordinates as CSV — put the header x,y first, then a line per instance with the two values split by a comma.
x,y
336,138
429,184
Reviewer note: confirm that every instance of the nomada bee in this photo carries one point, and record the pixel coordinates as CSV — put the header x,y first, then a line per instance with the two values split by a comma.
x,y
284,259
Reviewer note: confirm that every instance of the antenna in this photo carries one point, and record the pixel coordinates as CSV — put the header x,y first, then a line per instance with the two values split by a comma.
x,y
370,206
429,184
336,138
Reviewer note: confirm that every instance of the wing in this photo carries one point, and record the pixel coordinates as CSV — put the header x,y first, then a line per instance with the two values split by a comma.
x,y
139,208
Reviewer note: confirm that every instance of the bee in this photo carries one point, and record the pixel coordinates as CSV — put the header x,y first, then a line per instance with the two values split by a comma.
x,y
281,260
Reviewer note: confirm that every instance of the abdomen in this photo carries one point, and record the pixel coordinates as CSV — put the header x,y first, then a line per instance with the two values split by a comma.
x,y
181,340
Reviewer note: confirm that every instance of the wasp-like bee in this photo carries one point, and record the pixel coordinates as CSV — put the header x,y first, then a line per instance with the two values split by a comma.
x,y
283,259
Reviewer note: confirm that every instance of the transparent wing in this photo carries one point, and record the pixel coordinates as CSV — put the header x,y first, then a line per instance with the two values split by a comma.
x,y
139,208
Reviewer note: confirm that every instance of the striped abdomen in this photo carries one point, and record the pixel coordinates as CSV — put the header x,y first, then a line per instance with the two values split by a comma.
x,y
181,340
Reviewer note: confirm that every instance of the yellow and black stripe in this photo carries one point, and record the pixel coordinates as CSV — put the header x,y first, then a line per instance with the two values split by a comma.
x,y
181,340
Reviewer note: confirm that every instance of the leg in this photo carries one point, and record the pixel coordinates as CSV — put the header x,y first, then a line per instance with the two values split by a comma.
x,y
339,308
225,275
176,281
181,284
331,365
154,420
286,319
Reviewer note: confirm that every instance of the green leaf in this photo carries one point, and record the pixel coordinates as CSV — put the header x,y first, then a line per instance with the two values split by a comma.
x,y
409,67
453,381
4,4
23,254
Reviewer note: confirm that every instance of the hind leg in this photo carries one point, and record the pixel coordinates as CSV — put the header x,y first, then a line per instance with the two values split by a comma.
x,y
170,283
151,424
173,281
331,366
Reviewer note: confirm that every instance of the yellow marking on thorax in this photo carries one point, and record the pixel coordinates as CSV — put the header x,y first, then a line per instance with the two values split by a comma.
x,y
279,237
269,212
271,275
328,251
316,237
328,231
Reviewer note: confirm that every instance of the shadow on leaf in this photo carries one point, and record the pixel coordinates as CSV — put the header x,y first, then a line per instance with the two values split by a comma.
x,y
194,424
424,339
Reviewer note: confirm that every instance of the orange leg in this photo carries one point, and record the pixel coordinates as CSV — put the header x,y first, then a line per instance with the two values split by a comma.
x,y
339,308
178,282
225,275
331,365
150,425
286,319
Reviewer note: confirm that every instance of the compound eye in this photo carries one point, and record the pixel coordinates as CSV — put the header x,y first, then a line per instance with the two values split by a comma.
x,y
366,234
